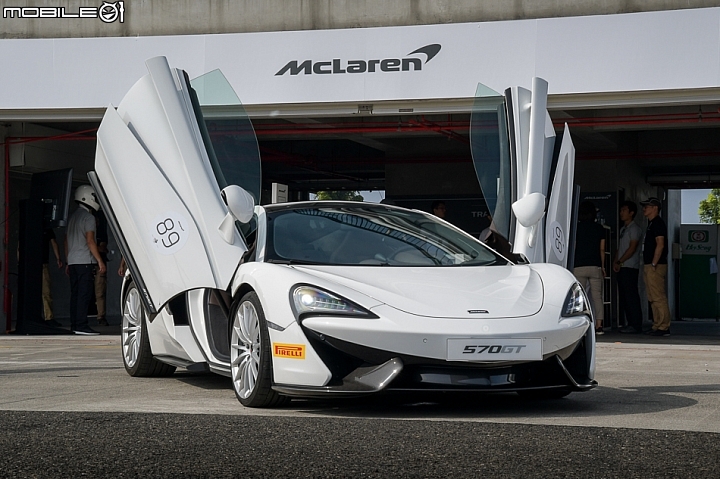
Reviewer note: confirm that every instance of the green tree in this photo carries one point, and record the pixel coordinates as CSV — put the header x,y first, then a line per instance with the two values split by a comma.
x,y
339,195
709,209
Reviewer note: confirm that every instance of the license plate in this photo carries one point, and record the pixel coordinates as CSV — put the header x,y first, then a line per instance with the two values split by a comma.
x,y
494,349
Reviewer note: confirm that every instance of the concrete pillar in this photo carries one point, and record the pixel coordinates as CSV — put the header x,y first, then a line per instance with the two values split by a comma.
x,y
3,265
673,219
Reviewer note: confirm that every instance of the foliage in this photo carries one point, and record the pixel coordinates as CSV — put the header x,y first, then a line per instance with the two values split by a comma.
x,y
339,195
709,209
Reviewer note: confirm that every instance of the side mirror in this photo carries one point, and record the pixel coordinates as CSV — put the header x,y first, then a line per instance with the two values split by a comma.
x,y
530,209
240,205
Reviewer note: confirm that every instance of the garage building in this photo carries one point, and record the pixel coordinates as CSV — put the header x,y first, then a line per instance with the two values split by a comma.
x,y
376,95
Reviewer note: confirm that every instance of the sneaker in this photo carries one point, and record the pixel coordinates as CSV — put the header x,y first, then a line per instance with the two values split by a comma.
x,y
629,330
661,332
54,323
102,322
599,331
86,332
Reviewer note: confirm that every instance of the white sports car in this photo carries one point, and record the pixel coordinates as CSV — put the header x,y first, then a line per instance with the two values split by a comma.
x,y
311,299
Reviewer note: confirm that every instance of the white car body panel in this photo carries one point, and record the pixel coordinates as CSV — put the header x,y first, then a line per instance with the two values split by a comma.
x,y
272,283
310,371
155,172
166,339
501,291
412,335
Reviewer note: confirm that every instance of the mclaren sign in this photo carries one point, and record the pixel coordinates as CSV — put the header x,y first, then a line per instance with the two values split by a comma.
x,y
337,65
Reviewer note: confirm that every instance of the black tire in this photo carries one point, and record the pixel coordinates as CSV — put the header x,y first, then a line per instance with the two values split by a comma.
x,y
137,356
250,346
540,394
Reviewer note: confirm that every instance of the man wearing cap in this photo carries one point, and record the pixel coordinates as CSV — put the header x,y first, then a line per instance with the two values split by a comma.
x,y
655,269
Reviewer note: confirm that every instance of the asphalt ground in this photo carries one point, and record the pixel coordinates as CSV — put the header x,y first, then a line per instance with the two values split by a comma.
x,y
44,444
68,409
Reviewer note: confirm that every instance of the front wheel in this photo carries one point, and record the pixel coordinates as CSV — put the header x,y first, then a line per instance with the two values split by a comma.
x,y
250,361
137,356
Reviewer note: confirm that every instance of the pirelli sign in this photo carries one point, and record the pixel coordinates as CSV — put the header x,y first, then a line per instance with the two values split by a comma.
x,y
289,351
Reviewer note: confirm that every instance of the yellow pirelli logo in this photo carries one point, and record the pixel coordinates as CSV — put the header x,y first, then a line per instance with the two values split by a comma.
x,y
290,351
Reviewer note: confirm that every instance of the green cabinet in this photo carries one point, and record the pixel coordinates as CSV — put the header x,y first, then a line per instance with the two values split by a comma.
x,y
699,285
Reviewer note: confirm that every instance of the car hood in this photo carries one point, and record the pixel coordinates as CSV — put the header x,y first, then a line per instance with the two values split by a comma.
x,y
444,292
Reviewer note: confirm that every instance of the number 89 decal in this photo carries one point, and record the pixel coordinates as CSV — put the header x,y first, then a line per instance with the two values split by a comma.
x,y
556,237
169,232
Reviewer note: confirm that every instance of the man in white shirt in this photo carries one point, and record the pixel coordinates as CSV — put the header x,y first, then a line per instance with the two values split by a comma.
x,y
82,256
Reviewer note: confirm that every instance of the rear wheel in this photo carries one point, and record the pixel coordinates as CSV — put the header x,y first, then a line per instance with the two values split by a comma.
x,y
250,361
137,356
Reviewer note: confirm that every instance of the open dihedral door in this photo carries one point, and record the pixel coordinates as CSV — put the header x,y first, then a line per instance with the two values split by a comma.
x,y
512,140
560,215
157,177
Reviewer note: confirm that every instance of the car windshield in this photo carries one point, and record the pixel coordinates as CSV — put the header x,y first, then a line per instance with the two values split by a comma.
x,y
370,235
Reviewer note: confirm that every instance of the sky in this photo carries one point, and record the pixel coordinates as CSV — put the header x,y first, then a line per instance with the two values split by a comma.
x,y
690,200
373,196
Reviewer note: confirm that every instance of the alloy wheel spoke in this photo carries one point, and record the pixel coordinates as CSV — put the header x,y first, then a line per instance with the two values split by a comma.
x,y
245,349
132,327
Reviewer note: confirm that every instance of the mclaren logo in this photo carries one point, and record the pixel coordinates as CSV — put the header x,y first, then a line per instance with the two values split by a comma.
x,y
338,66
290,351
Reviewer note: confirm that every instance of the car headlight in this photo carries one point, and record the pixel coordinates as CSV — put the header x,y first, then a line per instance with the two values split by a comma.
x,y
576,303
306,299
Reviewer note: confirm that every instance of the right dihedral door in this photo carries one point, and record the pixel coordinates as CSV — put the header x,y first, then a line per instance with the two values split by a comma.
x,y
490,149
532,139
512,141
560,205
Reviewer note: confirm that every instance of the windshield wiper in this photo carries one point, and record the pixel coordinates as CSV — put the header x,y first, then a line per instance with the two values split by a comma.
x,y
479,263
290,261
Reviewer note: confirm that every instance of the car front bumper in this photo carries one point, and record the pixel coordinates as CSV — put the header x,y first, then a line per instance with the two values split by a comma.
x,y
357,369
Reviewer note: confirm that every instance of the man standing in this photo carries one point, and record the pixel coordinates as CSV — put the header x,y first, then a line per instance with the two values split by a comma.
x,y
655,269
49,241
589,268
626,265
82,255
438,208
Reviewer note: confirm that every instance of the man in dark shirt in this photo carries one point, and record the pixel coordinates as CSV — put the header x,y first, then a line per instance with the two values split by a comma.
x,y
589,264
655,266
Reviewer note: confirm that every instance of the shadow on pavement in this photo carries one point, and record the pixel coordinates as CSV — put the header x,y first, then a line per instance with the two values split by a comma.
x,y
601,401
696,331
113,327
209,381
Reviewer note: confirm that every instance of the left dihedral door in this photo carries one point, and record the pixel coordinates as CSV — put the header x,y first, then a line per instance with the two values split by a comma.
x,y
154,176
